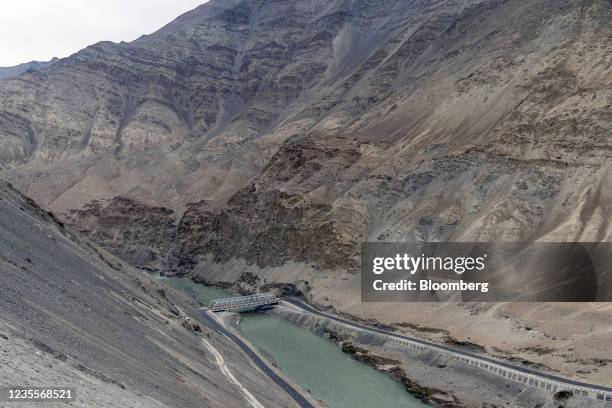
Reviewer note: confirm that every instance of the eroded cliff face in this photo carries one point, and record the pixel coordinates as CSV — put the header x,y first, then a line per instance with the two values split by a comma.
x,y
141,235
282,131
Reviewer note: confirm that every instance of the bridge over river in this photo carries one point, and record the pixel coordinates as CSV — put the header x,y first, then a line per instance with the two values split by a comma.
x,y
243,303
526,376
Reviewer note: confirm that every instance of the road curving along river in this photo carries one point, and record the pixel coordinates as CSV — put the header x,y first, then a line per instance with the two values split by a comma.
x,y
316,364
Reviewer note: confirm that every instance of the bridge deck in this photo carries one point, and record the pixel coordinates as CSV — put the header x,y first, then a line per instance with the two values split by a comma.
x,y
242,302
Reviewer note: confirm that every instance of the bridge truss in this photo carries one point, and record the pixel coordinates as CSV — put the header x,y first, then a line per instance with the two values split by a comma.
x,y
240,303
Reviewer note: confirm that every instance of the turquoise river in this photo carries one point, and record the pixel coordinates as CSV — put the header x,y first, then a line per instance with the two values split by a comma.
x,y
315,363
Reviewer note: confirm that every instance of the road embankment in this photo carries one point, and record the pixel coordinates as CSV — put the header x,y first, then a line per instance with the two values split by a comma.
x,y
443,375
302,400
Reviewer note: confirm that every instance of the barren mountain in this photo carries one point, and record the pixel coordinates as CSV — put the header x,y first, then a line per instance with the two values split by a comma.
x,y
11,72
272,137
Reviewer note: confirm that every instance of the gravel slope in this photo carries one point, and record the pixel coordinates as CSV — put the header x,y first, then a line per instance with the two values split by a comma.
x,y
73,315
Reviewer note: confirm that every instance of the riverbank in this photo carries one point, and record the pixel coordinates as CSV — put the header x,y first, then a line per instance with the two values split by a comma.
x,y
568,339
305,360
428,375
299,395
440,381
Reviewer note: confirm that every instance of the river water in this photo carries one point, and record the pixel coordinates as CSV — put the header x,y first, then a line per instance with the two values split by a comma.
x,y
316,364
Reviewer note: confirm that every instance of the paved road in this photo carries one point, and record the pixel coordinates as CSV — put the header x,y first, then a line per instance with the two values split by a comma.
x,y
310,309
288,388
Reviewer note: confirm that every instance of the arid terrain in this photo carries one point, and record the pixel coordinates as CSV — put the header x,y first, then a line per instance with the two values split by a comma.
x,y
15,71
257,143
73,315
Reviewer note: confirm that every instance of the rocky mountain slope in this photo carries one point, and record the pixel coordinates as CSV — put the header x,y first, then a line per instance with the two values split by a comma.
x,y
260,141
72,315
249,128
11,72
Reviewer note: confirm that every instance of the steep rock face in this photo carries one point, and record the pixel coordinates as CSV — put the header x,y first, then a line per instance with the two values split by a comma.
x,y
170,118
306,128
411,121
141,235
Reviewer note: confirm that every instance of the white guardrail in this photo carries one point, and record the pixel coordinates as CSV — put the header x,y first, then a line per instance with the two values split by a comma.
x,y
543,381
516,375
512,374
